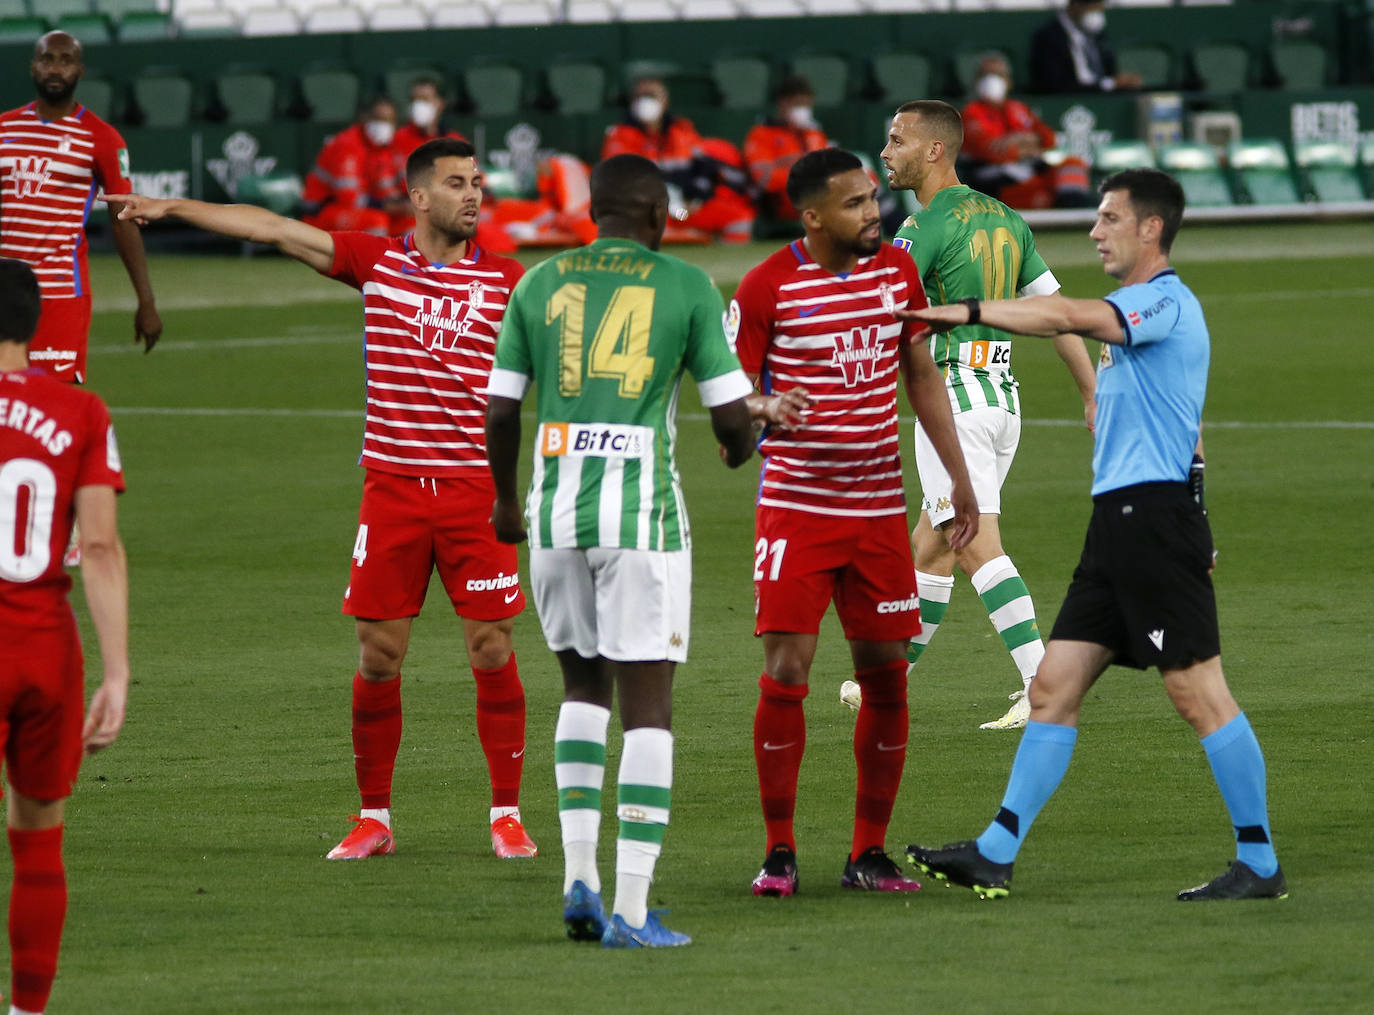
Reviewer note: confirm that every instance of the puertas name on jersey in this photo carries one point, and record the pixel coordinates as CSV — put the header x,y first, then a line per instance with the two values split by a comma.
x,y
36,423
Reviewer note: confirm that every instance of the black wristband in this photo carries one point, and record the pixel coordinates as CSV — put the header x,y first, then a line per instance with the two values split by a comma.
x,y
975,312
1195,480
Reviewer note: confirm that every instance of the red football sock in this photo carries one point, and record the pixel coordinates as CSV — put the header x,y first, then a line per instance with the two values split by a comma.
x,y
880,736
376,737
501,729
779,741
38,907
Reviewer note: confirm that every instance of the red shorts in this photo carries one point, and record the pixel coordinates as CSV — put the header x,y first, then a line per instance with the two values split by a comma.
x,y
407,526
802,561
42,706
59,343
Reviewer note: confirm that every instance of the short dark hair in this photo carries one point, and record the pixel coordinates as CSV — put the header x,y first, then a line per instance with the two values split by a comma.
x,y
422,159
792,86
810,175
944,121
625,185
1151,193
20,302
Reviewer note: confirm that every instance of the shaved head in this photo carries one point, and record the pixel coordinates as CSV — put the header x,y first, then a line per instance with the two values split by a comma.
x,y
940,121
56,68
626,185
58,38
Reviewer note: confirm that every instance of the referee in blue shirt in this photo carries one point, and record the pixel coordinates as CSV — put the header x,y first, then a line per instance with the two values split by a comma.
x,y
1142,594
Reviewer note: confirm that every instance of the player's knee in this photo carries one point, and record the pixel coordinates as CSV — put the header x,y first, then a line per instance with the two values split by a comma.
x,y
489,647
380,658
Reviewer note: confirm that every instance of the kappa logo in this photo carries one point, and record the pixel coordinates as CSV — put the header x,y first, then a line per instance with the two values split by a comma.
x,y
943,504
676,640
857,354
30,174
1157,639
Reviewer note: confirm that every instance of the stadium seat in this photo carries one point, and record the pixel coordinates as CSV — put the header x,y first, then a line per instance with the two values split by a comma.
x,y
648,10
56,9
1330,171
21,29
331,93
493,89
398,17
709,10
576,86
279,191
272,20
1263,170
98,95
119,9
162,98
396,83
15,9
246,95
335,18
774,8
1114,156
742,81
828,74
903,77
460,14
145,26
965,66
522,12
1199,172
1154,64
1300,64
207,24
1220,67
92,29
590,12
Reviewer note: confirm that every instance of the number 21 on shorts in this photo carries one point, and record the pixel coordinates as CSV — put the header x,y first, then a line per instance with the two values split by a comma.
x,y
770,554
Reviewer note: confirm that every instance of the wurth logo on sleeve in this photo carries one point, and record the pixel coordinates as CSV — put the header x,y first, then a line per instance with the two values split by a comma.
x,y
29,174
857,354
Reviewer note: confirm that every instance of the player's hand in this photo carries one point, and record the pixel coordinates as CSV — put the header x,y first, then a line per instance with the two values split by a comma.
x,y
508,521
964,525
105,717
787,409
941,318
1090,414
147,326
135,207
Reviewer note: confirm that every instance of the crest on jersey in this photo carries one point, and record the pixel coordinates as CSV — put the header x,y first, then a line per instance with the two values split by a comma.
x,y
730,321
857,354
477,295
65,145
889,300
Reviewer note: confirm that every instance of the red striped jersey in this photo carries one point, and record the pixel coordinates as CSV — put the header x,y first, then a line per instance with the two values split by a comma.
x,y
794,323
54,439
430,341
50,172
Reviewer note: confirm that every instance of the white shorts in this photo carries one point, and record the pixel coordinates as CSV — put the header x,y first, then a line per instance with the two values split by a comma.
x,y
989,437
625,605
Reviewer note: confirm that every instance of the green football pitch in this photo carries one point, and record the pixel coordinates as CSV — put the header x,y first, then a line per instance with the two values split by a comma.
x,y
195,845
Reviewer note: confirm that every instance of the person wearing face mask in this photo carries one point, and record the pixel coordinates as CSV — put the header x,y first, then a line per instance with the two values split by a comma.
x,y
1004,145
355,183
772,146
1070,53
708,186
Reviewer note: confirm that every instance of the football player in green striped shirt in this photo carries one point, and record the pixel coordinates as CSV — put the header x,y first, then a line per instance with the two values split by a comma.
x,y
604,333
970,246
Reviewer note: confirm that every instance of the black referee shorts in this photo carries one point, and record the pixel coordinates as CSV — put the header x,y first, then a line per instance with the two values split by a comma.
x,y
1143,587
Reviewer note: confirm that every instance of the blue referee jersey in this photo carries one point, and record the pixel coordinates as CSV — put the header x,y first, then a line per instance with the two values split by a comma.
x,y
1151,389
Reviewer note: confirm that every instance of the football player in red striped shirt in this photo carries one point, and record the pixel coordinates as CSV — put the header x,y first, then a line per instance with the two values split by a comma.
x,y
815,324
55,156
433,301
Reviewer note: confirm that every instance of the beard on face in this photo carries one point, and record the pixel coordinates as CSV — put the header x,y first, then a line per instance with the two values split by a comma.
x,y
54,90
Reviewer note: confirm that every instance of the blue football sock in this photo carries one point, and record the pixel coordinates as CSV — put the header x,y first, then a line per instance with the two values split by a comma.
x,y
1238,767
1041,761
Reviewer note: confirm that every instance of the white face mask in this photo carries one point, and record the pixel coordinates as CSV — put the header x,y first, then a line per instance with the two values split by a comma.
x,y
379,132
1093,22
646,109
801,117
992,88
424,113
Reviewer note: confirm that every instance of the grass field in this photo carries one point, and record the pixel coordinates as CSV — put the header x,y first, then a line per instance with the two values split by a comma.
x,y
195,843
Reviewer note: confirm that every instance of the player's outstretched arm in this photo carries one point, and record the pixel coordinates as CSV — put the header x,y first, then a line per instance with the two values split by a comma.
x,y
925,388
1074,353
307,244
503,454
105,577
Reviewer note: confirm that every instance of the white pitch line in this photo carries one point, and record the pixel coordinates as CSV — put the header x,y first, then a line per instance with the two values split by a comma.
x,y
701,417
217,345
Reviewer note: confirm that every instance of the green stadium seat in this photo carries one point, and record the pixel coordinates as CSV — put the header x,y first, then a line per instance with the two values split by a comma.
x,y
1199,172
1114,156
1264,171
1330,170
331,93
1367,163
162,98
21,29
493,89
279,191
211,23
828,74
145,26
1301,64
576,86
396,82
964,67
15,9
246,95
903,77
743,81
1154,64
97,94
1221,67
90,28
118,9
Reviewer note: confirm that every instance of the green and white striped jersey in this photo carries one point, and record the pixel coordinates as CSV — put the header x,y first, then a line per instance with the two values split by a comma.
x,y
605,332
968,245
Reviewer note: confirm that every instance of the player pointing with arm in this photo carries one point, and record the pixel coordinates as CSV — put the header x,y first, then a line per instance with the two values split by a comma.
x,y
604,333
1141,595
433,302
